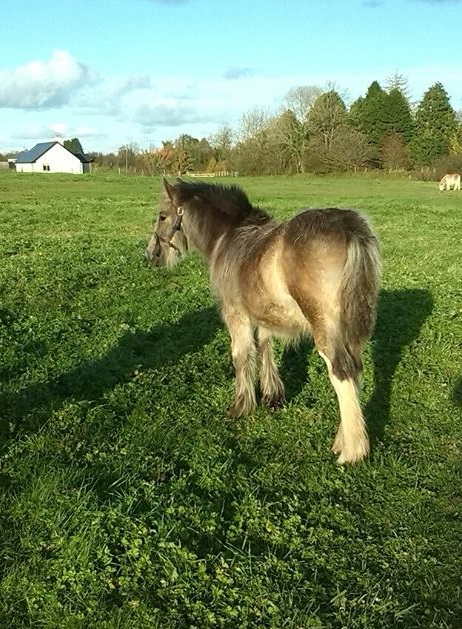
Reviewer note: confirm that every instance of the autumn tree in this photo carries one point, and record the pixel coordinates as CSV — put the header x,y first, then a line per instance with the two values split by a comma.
x,y
150,161
192,154
394,152
127,156
166,157
222,147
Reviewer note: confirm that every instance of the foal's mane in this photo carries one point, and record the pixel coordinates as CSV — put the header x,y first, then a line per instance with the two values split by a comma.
x,y
231,200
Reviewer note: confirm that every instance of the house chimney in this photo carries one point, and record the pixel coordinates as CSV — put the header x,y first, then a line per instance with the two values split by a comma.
x,y
59,138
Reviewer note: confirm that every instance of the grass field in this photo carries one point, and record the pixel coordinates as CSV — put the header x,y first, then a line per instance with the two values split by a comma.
x,y
129,501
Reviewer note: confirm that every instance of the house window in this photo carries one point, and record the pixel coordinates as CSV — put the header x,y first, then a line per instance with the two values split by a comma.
x,y
46,167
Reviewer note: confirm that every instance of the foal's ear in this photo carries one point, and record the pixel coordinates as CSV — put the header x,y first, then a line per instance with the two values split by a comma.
x,y
169,189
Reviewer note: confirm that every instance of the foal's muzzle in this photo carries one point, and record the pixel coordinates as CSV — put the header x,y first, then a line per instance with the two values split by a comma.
x,y
157,248
152,253
164,252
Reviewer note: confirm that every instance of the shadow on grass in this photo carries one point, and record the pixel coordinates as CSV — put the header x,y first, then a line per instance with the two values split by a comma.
x,y
457,393
400,316
163,345
294,367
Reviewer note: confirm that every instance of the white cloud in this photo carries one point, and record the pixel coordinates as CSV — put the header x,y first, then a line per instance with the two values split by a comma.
x,y
109,96
44,84
171,114
59,128
87,132
234,73
42,132
123,85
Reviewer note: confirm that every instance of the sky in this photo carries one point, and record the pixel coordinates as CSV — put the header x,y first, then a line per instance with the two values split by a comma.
x,y
112,72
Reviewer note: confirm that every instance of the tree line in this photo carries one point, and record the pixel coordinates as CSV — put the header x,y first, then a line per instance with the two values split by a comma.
x,y
315,131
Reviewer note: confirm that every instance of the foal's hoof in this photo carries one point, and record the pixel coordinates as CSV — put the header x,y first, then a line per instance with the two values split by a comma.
x,y
273,402
345,459
353,454
337,446
239,409
233,413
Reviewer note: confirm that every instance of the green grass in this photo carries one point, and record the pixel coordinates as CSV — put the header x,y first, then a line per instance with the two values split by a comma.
x,y
128,500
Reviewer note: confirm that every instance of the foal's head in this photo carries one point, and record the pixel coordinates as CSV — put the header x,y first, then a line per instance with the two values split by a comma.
x,y
195,215
168,242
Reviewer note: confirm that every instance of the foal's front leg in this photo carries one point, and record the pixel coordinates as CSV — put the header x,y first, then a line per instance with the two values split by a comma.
x,y
272,388
243,353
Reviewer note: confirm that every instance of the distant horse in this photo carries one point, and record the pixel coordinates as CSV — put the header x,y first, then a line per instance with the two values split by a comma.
x,y
315,274
450,181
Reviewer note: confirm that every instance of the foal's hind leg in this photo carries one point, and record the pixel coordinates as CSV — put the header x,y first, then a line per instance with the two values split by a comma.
x,y
243,353
351,442
271,385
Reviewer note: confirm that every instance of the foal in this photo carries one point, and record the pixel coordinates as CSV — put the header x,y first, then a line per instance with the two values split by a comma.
x,y
316,274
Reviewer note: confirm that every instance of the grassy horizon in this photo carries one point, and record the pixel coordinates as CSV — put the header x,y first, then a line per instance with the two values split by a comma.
x,y
127,499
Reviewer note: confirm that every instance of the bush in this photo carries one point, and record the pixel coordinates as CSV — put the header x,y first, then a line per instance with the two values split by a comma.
x,y
447,164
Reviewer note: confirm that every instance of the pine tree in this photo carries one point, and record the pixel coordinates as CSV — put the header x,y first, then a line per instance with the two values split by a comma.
x,y
399,116
400,82
435,124
73,146
370,114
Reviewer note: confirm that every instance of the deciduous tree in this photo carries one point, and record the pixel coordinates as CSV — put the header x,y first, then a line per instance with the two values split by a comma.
x,y
326,116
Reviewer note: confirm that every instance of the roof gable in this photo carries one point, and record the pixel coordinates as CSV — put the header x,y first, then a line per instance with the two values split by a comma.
x,y
28,157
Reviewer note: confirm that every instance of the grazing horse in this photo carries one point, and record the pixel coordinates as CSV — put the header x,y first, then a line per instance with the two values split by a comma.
x,y
316,274
450,181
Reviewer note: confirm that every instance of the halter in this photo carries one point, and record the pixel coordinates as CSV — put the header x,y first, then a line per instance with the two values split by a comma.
x,y
175,227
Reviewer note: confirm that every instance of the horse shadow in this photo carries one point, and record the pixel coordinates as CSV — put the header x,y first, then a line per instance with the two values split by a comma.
x,y
401,314
164,344
400,317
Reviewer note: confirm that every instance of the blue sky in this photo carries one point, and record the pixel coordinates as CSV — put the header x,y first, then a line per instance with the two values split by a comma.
x,y
116,71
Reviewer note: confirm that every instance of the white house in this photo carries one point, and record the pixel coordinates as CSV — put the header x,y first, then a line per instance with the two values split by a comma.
x,y
52,157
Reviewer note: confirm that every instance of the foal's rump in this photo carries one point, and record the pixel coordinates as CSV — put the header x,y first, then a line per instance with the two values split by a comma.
x,y
331,265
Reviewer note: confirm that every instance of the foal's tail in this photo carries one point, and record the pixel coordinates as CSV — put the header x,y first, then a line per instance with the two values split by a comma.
x,y
360,285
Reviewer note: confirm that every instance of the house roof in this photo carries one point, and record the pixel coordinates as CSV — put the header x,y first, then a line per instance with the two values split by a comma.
x,y
85,159
27,157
